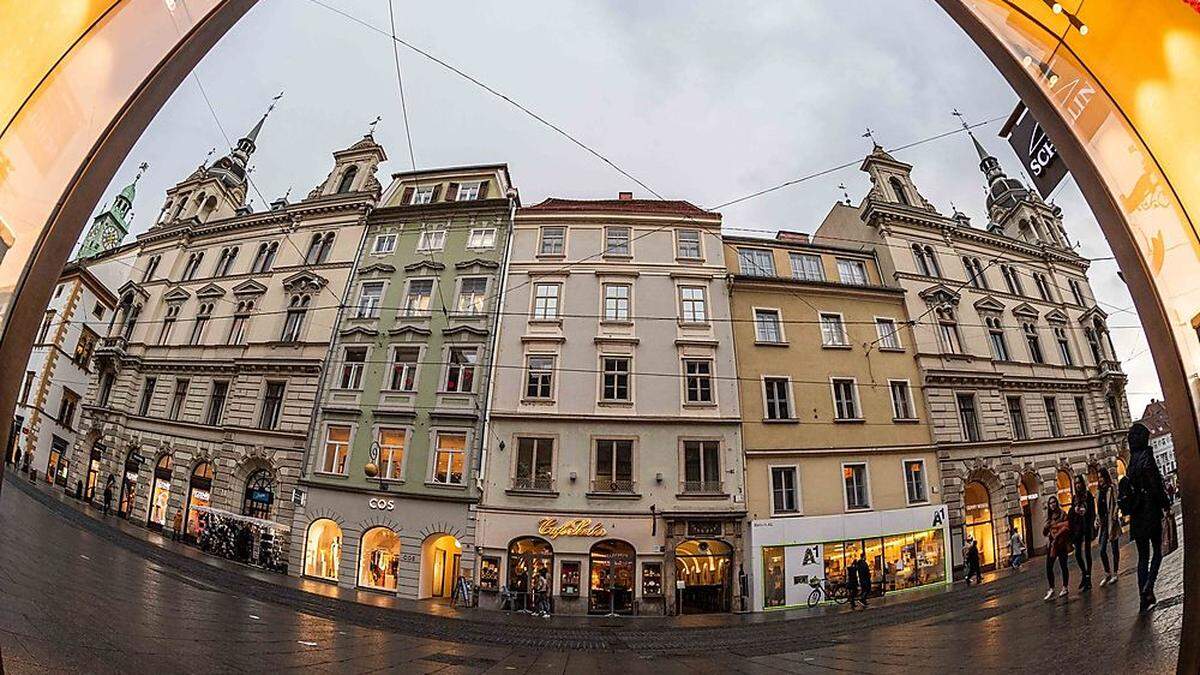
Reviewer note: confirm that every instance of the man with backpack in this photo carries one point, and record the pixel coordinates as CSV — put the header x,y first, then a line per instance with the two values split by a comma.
x,y
1142,497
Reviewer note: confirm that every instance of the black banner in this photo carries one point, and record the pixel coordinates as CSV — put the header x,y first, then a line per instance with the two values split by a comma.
x,y
1035,149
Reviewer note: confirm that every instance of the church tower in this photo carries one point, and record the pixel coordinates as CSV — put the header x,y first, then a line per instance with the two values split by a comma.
x,y
1016,211
110,227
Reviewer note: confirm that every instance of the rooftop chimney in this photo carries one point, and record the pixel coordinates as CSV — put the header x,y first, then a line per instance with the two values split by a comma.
x,y
789,235
625,196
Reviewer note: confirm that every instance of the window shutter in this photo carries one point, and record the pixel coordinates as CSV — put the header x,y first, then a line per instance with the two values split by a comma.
x,y
451,192
406,197
483,186
437,192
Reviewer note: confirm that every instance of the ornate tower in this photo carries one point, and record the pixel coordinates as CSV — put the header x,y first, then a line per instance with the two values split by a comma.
x,y
110,227
1015,210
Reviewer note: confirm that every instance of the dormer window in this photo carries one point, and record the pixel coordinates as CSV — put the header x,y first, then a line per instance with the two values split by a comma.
x,y
470,191
422,195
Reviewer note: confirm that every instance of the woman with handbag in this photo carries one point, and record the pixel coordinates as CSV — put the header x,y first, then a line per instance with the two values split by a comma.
x,y
1083,530
1146,503
1058,534
1110,527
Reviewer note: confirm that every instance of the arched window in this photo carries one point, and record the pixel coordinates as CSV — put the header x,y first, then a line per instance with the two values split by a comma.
x,y
199,495
166,210
1034,341
314,248
323,549
294,322
948,330
1063,489
977,503
704,568
379,559
528,556
898,190
259,495
326,247
210,205
179,206
131,321
996,338
347,179
160,493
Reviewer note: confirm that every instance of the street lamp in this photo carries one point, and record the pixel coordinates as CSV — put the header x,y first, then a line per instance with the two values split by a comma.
x,y
372,467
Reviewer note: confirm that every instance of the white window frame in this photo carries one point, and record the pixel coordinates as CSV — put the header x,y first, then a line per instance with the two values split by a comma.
x,y
435,436
476,368
482,297
894,336
384,244
325,449
469,191
534,313
796,260
924,477
756,250
859,266
529,371
799,510
422,194
431,239
791,399
604,315
854,392
683,304
416,366
911,404
866,478
376,435
541,246
628,252
353,370
779,323
371,312
428,311
699,244
843,340
481,238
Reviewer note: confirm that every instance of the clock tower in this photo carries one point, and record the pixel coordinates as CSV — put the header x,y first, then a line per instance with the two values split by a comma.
x,y
110,227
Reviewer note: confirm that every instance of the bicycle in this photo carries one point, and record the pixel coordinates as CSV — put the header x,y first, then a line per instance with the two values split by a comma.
x,y
824,589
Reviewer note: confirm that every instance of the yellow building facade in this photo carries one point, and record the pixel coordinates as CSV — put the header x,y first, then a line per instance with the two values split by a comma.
x,y
838,447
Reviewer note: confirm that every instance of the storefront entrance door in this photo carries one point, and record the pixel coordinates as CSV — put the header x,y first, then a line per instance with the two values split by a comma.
x,y
703,565
611,578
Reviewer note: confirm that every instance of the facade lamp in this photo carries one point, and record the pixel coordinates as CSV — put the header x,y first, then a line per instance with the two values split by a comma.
x,y
372,467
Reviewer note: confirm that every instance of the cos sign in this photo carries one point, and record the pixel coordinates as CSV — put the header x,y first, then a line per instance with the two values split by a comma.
x,y
382,504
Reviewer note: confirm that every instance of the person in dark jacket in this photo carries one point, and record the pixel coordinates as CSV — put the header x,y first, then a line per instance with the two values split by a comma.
x,y
1083,530
1109,522
1058,536
974,566
863,572
108,494
1147,503
852,583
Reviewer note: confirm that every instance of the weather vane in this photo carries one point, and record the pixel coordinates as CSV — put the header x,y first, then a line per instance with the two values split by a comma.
x,y
845,194
871,135
371,126
961,120
141,169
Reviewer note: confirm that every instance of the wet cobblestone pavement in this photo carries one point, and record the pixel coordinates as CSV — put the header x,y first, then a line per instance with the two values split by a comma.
x,y
81,596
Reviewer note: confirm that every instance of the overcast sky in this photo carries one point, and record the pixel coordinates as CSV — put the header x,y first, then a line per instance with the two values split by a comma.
x,y
704,101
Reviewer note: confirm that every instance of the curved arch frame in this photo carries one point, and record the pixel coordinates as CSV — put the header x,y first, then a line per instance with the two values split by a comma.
x,y
304,557
362,549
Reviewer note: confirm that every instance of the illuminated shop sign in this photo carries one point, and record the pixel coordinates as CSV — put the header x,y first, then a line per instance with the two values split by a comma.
x,y
579,527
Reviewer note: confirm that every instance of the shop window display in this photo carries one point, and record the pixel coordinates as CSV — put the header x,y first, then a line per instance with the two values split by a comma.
x,y
652,581
489,573
379,559
323,549
526,557
199,494
610,589
978,505
774,581
568,582
160,493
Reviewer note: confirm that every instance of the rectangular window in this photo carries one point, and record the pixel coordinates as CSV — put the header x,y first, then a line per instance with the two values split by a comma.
x,y
391,452
472,294
1034,341
687,243
460,370
370,297
698,380
615,382
482,238
888,333
996,339
107,382
833,331
147,395
1085,427
614,466
693,306
702,467
420,295
272,406
353,363
431,240
914,481
756,262
178,398
784,487
855,478
778,393
404,368
469,192
545,301
451,458
422,195
25,388
845,399
85,347
337,449
1114,413
852,272
1076,291
216,403
968,417
201,323
237,328
616,241
535,464
1016,417
553,241
807,266
616,302
1052,417
384,244
539,376
47,323
902,403
66,408
767,327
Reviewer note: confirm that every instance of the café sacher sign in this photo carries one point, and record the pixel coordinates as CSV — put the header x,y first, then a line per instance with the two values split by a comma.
x,y
578,527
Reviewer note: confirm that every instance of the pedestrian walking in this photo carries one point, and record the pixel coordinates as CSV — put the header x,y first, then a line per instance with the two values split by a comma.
x,y
1083,530
541,591
1109,527
108,494
974,567
1143,498
1017,546
863,572
1058,534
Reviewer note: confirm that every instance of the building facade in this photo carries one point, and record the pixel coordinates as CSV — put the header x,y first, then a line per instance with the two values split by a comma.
x,y
1161,442
613,460
208,373
1023,388
391,477
840,462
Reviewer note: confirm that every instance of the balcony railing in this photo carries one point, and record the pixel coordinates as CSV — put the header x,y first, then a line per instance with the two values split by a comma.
x,y
621,486
534,483
702,487
116,343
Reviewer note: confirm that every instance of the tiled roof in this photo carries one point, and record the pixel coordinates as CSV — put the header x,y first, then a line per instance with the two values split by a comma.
x,y
660,206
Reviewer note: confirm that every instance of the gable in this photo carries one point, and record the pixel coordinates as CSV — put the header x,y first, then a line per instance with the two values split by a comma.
x,y
1025,309
1056,316
989,304
249,287
176,294
304,281
939,294
210,291
429,265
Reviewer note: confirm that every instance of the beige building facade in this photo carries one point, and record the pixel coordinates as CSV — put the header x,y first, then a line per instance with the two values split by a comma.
x,y
1023,389
839,458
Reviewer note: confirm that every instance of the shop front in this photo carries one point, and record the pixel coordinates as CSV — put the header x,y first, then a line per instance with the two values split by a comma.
x,y
56,466
160,493
199,496
129,482
903,548
599,564
384,542
95,460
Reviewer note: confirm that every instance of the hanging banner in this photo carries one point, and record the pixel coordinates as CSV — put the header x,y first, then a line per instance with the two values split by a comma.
x,y
1035,150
